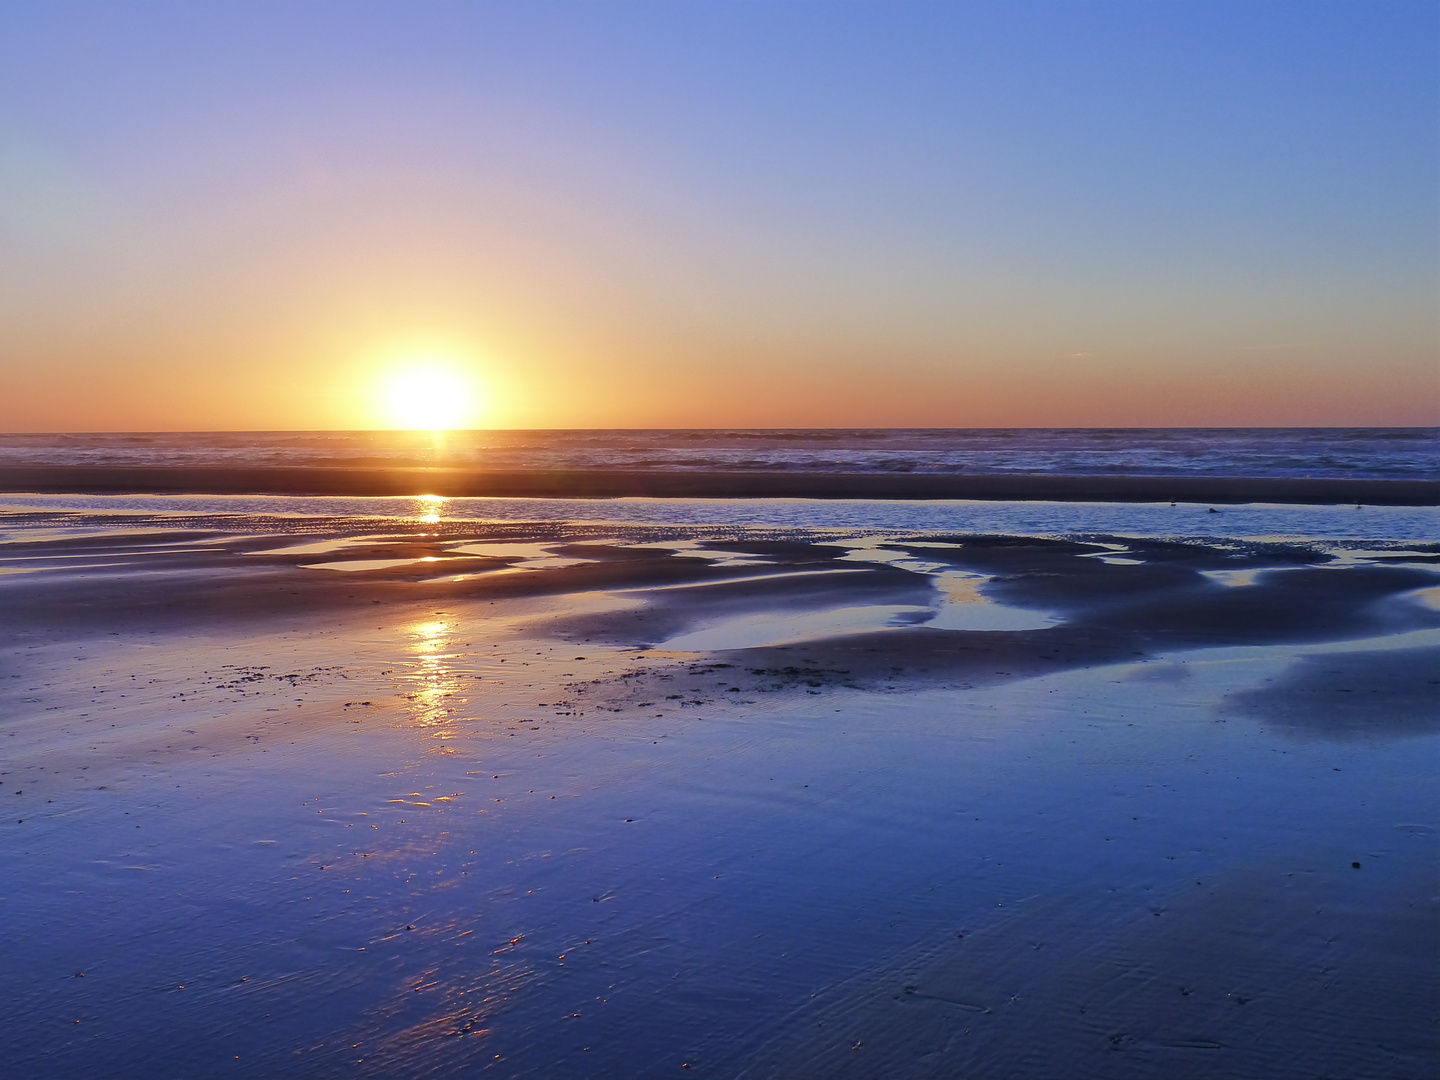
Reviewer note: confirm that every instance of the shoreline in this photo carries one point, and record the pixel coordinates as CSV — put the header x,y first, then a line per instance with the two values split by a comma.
x,y
469,483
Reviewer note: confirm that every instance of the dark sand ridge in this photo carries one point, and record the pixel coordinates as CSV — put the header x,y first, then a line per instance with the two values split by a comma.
x,y
1164,602
1114,614
461,483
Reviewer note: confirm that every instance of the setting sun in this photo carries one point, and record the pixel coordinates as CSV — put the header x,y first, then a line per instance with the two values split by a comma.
x,y
428,399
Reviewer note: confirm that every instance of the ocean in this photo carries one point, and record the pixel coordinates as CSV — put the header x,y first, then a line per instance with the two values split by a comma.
x,y
1342,453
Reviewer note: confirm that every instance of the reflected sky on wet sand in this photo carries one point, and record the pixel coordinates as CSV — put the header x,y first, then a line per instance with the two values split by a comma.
x,y
402,827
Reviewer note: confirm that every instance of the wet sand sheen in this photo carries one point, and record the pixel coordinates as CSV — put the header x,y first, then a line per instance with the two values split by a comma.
x,y
400,820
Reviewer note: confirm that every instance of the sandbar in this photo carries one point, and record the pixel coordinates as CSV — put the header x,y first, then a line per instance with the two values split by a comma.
x,y
473,483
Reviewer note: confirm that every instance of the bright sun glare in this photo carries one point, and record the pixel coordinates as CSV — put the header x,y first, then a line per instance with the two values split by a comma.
x,y
428,399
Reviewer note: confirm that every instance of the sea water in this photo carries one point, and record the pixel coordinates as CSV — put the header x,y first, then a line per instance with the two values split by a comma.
x,y
1354,453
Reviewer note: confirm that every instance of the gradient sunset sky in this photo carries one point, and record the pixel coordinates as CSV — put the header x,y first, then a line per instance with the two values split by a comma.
x,y
692,213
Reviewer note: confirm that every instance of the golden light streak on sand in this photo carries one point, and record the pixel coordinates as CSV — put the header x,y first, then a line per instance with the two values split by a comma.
x,y
434,681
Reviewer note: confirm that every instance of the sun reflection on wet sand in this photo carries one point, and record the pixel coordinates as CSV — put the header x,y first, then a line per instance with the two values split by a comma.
x,y
433,680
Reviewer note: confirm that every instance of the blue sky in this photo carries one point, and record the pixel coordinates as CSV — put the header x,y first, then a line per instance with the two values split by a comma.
x,y
703,213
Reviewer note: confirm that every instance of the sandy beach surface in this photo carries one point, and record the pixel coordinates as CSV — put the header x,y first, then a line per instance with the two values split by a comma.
x,y
487,482
303,796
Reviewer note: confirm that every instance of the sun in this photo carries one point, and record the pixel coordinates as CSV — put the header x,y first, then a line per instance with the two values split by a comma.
x,y
428,398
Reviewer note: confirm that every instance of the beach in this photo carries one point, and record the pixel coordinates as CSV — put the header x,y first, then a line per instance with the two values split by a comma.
x,y
758,541
437,794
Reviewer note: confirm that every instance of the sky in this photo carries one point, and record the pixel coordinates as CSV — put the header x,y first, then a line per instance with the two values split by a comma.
x,y
692,213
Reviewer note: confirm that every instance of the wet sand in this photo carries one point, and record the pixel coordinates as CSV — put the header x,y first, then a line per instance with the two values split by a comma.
x,y
304,797
685,483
